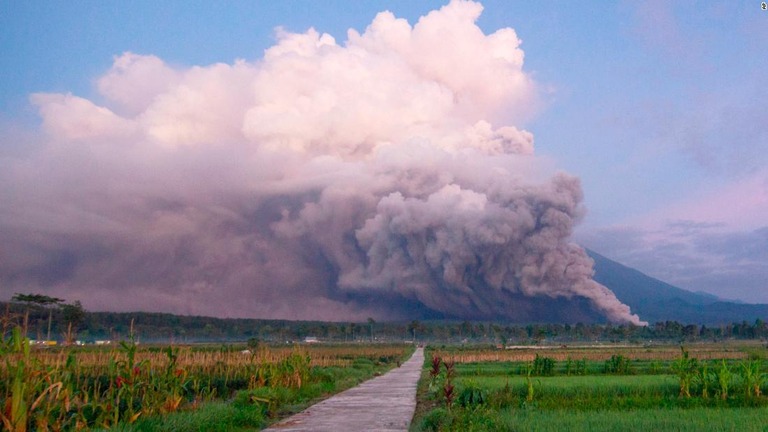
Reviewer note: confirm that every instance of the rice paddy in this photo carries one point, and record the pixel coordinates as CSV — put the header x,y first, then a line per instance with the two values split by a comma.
x,y
705,387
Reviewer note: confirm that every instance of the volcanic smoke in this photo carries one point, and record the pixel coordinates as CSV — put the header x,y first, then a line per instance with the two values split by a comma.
x,y
380,177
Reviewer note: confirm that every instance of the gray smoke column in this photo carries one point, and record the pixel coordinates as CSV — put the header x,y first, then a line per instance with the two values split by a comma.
x,y
322,181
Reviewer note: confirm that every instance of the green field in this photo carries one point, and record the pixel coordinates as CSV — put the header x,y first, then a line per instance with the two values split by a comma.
x,y
681,394
675,419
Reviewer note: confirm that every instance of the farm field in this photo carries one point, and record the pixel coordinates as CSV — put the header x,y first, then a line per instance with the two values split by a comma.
x,y
700,387
146,388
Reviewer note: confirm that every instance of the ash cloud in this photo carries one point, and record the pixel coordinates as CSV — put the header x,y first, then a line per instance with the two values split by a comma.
x,y
380,177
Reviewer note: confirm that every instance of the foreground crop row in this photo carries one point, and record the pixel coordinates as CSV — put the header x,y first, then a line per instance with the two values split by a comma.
x,y
173,388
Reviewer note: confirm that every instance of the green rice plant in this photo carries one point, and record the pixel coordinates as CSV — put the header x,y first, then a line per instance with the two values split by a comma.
x,y
674,419
648,398
577,392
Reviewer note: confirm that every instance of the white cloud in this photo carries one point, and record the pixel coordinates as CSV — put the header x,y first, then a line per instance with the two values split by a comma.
x,y
71,118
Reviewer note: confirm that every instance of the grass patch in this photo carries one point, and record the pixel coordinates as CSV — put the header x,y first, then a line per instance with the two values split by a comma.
x,y
212,416
675,419
613,394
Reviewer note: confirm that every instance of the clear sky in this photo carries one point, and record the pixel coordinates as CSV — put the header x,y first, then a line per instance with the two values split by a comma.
x,y
660,108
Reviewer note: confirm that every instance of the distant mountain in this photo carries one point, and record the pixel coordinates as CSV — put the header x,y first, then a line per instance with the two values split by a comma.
x,y
654,300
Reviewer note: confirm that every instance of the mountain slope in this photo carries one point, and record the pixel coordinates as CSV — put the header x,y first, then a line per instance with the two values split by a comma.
x,y
654,300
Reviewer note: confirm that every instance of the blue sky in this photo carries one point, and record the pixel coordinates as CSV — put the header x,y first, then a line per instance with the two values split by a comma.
x,y
658,107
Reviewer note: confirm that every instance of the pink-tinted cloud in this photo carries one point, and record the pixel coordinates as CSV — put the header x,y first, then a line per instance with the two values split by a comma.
x,y
323,181
714,242
740,204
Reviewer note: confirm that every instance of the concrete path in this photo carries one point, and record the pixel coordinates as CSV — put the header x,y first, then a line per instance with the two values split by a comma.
x,y
385,403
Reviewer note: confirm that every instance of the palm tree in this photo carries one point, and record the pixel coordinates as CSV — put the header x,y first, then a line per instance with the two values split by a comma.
x,y
412,328
371,322
41,300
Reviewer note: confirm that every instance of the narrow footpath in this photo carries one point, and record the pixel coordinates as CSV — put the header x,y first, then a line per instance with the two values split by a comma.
x,y
384,403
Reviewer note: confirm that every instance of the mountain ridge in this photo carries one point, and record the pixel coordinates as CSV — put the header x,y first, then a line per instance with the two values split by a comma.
x,y
654,300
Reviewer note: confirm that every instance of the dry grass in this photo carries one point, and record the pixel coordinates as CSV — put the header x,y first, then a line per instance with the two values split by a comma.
x,y
190,357
600,353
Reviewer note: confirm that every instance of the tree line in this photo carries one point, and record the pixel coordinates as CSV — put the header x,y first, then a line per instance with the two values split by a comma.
x,y
52,318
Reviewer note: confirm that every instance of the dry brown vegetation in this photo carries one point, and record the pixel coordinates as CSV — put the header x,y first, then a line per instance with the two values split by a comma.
x,y
78,388
599,353
194,357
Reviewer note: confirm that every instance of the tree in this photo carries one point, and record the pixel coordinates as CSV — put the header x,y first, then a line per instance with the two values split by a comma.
x,y
73,315
412,327
466,329
761,329
38,299
371,322
41,300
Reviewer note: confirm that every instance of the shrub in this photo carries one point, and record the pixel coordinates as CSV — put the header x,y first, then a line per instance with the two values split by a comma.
x,y
543,366
723,376
472,395
618,365
685,368
438,419
503,397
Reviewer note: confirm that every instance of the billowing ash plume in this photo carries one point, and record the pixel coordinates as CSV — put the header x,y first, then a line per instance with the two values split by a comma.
x,y
323,181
